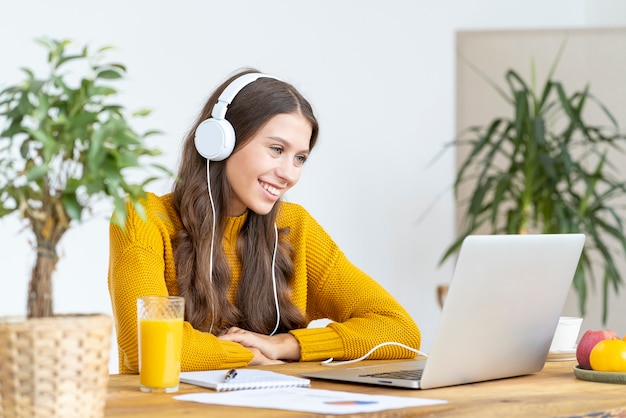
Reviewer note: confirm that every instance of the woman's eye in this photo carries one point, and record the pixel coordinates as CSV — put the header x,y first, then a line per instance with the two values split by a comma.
x,y
300,159
277,150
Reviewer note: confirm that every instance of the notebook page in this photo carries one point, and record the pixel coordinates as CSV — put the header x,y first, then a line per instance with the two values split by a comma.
x,y
245,379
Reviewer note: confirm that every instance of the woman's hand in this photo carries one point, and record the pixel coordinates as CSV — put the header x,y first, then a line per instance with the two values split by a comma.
x,y
260,360
275,347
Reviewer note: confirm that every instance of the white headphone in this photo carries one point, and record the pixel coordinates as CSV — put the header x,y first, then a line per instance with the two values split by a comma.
x,y
215,137
215,141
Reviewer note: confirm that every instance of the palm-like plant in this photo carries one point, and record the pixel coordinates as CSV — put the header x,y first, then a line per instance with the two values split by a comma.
x,y
546,170
64,146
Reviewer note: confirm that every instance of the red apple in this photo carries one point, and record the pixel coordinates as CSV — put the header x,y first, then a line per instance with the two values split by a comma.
x,y
589,339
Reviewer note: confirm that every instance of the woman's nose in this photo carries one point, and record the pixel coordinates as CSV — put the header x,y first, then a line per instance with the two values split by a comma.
x,y
288,171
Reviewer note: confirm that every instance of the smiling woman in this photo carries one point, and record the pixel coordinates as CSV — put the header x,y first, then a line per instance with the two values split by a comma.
x,y
254,270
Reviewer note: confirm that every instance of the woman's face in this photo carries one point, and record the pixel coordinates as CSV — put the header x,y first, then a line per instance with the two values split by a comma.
x,y
269,164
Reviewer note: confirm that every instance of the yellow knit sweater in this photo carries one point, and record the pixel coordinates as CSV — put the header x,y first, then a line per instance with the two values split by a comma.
x,y
326,285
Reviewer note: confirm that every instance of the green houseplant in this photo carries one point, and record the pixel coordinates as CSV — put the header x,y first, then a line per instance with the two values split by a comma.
x,y
64,146
545,169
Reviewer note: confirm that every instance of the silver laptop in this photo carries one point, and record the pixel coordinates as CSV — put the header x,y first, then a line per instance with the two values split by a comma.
x,y
499,316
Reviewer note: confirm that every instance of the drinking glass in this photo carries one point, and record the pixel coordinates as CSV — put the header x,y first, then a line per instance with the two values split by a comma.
x,y
160,338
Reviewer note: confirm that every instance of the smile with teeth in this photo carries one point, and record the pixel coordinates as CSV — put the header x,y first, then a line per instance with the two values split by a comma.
x,y
271,189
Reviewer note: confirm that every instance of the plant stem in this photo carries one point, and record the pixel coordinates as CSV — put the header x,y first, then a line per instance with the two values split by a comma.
x,y
40,288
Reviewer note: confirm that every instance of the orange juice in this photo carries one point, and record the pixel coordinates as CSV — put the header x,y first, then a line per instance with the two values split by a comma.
x,y
160,343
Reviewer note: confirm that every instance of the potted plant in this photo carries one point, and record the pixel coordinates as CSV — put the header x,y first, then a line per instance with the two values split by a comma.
x,y
546,169
64,146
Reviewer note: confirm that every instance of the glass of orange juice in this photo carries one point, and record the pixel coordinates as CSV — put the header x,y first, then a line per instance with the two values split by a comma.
x,y
160,338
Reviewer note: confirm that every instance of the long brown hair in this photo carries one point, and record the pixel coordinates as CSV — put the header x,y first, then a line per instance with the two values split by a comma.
x,y
254,307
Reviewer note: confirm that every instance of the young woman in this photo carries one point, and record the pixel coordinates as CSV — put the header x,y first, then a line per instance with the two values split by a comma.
x,y
254,270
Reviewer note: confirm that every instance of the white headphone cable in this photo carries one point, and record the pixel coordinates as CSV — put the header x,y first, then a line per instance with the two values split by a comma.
x,y
339,363
208,181
274,280
211,260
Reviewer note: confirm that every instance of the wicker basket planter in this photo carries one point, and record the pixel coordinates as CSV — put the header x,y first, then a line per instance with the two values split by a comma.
x,y
54,367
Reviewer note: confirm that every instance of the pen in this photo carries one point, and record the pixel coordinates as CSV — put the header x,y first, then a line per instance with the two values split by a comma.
x,y
230,375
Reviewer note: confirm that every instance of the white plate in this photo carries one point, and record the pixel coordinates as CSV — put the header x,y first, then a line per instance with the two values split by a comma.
x,y
562,355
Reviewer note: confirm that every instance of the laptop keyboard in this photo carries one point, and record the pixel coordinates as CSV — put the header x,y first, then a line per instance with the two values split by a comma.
x,y
414,374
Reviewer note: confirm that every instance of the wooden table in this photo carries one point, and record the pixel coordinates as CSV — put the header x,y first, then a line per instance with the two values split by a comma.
x,y
553,392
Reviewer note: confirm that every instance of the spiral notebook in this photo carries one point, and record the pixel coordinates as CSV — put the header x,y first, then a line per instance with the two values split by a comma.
x,y
245,379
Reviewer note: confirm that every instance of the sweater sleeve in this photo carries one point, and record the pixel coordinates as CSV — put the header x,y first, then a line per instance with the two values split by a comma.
x,y
364,314
140,264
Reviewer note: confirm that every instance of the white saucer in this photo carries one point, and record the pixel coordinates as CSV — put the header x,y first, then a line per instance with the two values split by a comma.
x,y
562,355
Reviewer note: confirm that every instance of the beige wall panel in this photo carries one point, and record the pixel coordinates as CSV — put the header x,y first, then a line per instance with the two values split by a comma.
x,y
592,56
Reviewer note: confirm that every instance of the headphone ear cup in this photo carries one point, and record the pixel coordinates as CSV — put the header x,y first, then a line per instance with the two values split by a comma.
x,y
215,139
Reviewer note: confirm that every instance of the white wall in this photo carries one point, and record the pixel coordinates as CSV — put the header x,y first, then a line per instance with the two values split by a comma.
x,y
379,74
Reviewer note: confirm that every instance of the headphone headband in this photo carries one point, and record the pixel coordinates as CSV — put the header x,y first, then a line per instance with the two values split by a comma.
x,y
229,93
